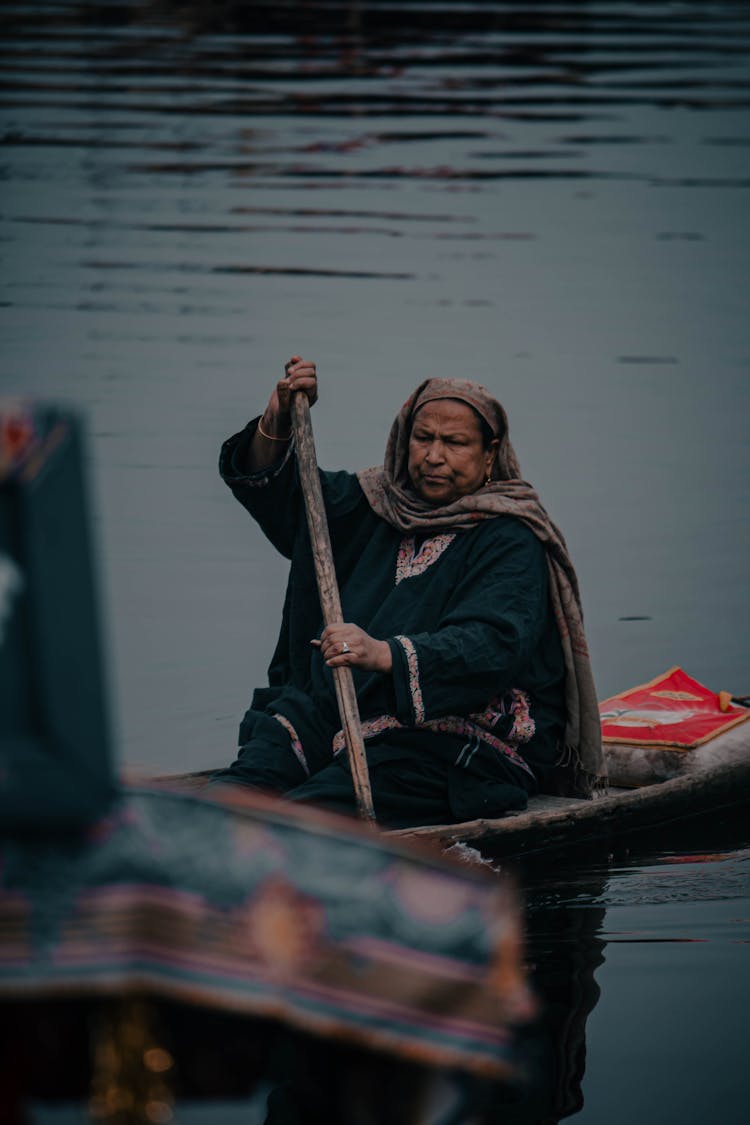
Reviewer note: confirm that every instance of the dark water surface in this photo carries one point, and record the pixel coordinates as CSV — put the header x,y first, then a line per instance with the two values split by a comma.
x,y
549,198
640,958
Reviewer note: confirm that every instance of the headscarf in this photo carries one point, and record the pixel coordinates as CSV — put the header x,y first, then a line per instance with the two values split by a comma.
x,y
389,492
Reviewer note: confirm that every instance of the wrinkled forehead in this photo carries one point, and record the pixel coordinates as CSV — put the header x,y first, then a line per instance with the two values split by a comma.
x,y
447,411
473,395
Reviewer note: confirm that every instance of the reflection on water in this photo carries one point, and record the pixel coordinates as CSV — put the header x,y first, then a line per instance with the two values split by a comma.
x,y
639,958
550,198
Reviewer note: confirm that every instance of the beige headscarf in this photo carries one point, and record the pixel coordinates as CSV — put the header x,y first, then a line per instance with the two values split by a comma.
x,y
391,496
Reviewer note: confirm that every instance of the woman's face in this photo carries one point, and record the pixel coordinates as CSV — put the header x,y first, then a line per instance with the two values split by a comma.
x,y
447,458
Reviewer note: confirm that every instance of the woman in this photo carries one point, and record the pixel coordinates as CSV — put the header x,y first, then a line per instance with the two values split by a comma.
x,y
462,625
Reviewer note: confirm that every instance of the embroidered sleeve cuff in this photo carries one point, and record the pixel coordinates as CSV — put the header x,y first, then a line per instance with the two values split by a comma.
x,y
409,701
234,456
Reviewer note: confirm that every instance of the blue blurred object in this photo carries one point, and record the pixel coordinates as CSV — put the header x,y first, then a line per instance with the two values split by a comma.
x,y
55,744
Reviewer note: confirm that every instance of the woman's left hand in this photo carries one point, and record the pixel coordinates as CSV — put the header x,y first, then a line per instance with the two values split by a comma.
x,y
346,645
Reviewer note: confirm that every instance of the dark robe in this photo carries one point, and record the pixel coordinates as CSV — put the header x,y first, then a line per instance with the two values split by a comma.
x,y
476,693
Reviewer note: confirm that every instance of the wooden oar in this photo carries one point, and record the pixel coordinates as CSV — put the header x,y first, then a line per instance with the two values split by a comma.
x,y
330,601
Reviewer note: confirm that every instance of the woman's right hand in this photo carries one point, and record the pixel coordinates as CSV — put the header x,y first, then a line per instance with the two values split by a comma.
x,y
300,376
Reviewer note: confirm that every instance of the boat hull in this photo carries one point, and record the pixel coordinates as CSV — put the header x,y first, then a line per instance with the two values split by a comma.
x,y
549,823
555,822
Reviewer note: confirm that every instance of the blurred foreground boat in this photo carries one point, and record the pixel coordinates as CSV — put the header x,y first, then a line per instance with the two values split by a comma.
x,y
250,923
252,906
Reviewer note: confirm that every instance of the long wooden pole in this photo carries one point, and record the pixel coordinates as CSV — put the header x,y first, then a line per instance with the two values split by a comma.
x,y
330,601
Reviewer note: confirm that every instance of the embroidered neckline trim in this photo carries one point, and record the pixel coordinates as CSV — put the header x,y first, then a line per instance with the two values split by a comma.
x,y
410,563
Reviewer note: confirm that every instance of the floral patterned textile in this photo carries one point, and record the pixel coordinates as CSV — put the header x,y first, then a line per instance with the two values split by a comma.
x,y
414,688
515,703
295,741
248,905
411,563
475,726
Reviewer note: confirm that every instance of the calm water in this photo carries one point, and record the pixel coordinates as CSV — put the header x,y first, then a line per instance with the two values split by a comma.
x,y
550,198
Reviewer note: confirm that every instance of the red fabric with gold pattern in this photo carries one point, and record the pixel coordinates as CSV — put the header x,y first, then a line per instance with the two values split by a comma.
x,y
672,710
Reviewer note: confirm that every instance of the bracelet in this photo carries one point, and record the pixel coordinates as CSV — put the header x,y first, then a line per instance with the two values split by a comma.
x,y
270,436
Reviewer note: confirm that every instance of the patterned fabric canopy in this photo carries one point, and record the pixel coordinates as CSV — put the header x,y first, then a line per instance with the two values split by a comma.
x,y
250,905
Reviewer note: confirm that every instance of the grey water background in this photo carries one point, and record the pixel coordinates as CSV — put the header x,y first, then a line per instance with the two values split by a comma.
x,y
550,198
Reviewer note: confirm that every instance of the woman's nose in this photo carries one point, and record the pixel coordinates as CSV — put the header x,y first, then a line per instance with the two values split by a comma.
x,y
434,451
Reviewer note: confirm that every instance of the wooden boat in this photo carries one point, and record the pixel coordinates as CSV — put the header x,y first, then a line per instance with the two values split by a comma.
x,y
556,822
551,823
673,748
